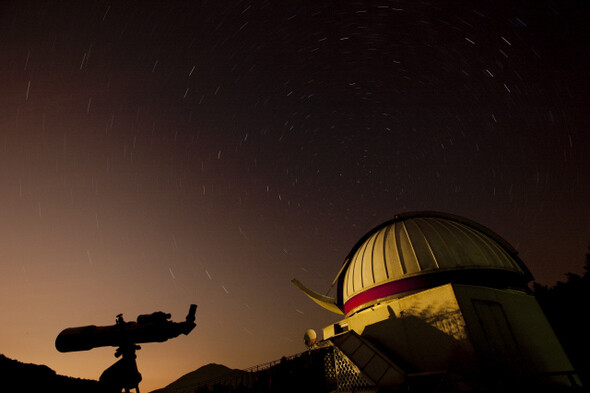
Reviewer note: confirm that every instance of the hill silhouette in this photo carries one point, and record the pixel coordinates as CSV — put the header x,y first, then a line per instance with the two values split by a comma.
x,y
34,378
203,374
303,372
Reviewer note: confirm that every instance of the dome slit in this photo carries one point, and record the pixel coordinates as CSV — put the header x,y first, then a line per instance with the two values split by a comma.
x,y
399,249
467,246
446,234
410,266
362,262
499,254
373,256
440,241
430,253
467,233
385,234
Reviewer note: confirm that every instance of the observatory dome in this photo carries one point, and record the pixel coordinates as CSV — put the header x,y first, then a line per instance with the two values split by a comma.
x,y
420,250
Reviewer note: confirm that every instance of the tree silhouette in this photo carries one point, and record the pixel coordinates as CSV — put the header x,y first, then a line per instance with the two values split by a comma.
x,y
566,307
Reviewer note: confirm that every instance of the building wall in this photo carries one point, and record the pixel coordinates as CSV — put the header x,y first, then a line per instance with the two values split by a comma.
x,y
462,328
510,332
424,331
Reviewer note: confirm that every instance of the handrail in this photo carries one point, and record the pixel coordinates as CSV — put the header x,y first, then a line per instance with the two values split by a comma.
x,y
253,369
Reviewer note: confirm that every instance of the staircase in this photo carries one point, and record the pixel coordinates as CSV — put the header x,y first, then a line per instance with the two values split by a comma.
x,y
377,370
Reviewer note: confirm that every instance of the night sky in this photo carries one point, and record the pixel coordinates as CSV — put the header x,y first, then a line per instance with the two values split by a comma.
x,y
155,154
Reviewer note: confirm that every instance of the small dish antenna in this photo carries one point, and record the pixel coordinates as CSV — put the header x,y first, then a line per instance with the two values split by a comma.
x,y
310,337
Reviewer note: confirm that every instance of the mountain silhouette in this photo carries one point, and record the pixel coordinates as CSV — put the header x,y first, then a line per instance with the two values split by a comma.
x,y
303,372
189,381
34,378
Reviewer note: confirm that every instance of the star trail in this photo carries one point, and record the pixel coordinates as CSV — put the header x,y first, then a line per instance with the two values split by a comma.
x,y
160,153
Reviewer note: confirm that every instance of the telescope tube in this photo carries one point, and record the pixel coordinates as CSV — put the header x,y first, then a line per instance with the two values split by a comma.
x,y
149,328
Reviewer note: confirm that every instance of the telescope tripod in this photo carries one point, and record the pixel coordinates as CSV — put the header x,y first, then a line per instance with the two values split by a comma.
x,y
123,375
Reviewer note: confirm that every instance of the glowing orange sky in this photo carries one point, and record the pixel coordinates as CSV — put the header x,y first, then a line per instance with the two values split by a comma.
x,y
158,154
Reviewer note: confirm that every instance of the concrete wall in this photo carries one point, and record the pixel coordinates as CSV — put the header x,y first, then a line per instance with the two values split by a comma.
x,y
520,336
421,332
470,330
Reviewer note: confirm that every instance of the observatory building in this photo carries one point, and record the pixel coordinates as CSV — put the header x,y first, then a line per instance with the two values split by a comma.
x,y
429,293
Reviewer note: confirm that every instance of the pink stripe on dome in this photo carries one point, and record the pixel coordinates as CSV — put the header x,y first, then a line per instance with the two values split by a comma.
x,y
385,290
495,278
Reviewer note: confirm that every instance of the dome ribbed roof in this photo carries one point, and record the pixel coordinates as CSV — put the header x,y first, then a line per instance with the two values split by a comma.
x,y
418,244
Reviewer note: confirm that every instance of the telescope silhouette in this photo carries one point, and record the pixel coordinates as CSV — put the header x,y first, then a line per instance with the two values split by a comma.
x,y
123,375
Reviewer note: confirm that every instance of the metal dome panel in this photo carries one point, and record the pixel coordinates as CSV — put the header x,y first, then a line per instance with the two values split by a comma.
x,y
420,250
418,244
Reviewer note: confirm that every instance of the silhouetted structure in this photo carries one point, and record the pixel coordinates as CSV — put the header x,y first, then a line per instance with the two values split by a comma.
x,y
21,377
123,375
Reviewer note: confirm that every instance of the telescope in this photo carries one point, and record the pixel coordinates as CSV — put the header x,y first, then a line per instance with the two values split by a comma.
x,y
123,375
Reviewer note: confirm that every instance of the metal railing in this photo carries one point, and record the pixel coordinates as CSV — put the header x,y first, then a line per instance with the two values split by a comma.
x,y
239,374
